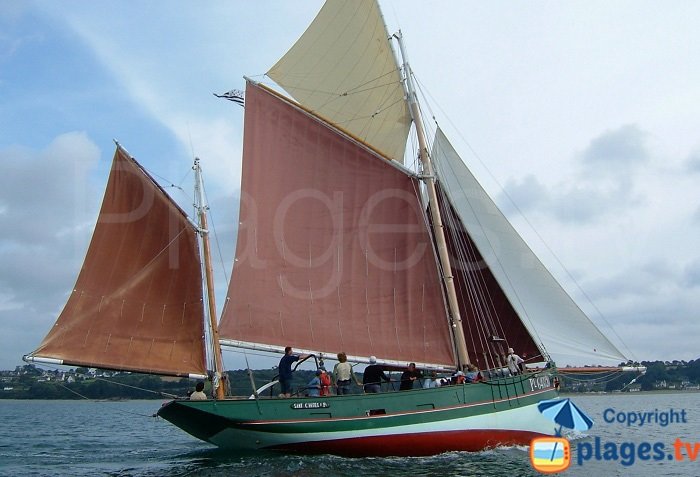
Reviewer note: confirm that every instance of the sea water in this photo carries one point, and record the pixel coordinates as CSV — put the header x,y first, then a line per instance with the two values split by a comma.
x,y
87,438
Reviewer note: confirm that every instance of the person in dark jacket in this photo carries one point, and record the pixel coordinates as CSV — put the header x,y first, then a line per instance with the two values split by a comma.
x,y
409,377
373,377
285,370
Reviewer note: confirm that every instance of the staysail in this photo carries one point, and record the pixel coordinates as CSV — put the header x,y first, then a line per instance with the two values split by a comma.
x,y
552,318
343,68
333,251
137,304
491,325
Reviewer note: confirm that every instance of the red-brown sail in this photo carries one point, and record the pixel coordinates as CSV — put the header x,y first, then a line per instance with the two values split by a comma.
x,y
485,309
137,304
333,251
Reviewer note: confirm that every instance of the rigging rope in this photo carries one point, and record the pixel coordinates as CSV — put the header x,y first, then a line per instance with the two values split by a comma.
x,y
510,199
472,289
82,396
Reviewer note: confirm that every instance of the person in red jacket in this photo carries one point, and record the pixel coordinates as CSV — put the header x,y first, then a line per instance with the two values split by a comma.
x,y
325,382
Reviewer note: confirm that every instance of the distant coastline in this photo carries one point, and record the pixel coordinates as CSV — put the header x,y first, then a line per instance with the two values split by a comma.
x,y
618,393
32,382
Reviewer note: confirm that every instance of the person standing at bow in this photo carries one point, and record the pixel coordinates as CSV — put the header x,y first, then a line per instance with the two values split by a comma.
x,y
516,364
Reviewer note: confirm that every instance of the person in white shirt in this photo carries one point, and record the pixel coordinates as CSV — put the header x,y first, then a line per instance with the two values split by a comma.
x,y
516,364
198,394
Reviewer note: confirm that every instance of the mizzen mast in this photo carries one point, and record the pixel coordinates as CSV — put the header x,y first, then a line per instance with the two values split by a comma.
x,y
201,206
438,230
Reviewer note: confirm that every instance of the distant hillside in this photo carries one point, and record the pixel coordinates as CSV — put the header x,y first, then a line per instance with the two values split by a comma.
x,y
660,375
30,382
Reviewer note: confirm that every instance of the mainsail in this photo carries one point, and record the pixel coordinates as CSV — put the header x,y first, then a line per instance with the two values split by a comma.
x,y
552,318
343,68
303,275
333,251
137,304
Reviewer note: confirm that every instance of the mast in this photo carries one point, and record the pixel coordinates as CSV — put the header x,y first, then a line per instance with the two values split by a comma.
x,y
209,277
438,230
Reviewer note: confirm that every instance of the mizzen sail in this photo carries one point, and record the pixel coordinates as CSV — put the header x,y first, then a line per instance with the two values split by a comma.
x,y
343,68
333,250
137,304
551,317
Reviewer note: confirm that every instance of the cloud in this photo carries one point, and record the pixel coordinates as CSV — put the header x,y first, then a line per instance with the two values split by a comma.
x,y
591,202
526,194
691,274
636,281
604,184
646,301
620,149
38,190
648,339
693,161
176,90
655,293
45,227
12,38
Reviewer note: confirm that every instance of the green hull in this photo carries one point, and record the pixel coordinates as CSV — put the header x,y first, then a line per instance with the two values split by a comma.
x,y
419,422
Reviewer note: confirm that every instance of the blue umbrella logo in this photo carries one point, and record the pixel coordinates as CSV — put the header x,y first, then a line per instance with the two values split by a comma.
x,y
566,414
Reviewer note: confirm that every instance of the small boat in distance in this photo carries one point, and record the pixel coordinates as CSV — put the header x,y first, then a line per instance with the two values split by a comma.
x,y
341,247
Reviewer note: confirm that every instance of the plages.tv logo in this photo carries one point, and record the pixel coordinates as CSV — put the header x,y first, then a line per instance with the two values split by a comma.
x,y
553,454
550,454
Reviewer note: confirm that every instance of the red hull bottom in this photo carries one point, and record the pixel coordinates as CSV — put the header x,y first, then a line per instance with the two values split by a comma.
x,y
419,444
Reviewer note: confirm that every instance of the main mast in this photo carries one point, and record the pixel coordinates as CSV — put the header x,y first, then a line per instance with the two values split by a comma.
x,y
438,230
209,277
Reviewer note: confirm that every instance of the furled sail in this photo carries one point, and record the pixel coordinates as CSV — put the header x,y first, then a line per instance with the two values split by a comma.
x,y
343,68
552,318
137,304
333,251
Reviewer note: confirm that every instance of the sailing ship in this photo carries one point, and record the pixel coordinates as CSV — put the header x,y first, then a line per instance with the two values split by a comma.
x,y
341,247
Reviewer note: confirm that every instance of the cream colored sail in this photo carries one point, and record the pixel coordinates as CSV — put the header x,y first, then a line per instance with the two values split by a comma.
x,y
343,68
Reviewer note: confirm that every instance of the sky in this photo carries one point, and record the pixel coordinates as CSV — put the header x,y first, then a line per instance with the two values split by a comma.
x,y
582,119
